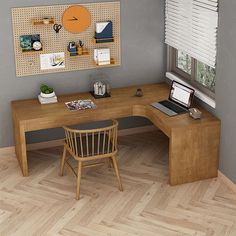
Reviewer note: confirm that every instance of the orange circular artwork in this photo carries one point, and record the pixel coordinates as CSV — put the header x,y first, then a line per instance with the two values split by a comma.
x,y
76,19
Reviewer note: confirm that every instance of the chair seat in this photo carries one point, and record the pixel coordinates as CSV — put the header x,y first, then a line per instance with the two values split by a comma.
x,y
98,149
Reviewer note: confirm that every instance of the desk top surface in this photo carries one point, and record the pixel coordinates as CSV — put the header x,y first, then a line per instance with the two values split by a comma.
x,y
122,103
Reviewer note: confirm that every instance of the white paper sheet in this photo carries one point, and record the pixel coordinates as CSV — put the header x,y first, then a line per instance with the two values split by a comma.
x,y
52,61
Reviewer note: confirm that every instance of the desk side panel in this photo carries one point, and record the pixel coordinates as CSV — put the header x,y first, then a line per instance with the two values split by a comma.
x,y
20,142
194,153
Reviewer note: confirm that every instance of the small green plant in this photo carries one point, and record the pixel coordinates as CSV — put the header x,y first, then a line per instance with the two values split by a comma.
x,y
46,89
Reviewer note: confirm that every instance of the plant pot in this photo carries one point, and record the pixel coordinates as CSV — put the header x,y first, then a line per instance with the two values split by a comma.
x,y
47,95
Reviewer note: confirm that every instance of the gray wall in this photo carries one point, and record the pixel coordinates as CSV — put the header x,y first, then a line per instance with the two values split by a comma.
x,y
226,86
143,61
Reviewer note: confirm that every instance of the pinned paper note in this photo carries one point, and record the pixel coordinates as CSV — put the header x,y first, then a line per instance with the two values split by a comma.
x,y
52,61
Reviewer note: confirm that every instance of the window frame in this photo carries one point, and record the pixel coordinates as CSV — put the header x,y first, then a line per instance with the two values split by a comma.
x,y
191,79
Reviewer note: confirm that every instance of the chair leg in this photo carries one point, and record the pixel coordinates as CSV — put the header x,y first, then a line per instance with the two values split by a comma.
x,y
79,174
63,161
115,164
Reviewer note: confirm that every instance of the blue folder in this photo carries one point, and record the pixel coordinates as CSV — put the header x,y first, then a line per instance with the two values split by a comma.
x,y
104,32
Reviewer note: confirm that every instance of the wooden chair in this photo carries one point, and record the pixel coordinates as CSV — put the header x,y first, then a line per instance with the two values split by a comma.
x,y
87,146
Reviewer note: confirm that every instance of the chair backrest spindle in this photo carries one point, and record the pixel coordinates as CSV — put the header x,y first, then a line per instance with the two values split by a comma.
x,y
87,145
81,145
109,140
104,142
93,143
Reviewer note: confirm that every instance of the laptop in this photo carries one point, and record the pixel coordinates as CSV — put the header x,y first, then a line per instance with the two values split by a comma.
x,y
180,100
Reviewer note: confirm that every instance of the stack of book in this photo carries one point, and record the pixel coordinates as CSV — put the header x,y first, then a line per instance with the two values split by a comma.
x,y
47,100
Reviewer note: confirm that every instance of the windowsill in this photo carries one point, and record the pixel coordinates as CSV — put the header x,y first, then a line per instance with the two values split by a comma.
x,y
203,97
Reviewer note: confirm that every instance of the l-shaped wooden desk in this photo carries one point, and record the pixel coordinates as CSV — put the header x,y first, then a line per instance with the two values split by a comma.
x,y
193,144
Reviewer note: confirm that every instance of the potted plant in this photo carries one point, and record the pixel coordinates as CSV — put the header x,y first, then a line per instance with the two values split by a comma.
x,y
46,91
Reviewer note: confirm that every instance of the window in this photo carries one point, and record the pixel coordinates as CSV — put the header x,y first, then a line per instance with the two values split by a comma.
x,y
191,31
206,76
184,62
193,71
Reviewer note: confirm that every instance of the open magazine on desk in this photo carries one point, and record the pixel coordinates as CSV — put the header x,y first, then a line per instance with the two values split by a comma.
x,y
80,105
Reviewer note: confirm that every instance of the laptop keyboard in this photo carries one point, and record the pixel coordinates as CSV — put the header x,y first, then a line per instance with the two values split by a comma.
x,y
172,106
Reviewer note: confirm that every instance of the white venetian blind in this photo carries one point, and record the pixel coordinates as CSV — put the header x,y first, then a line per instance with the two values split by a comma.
x,y
191,26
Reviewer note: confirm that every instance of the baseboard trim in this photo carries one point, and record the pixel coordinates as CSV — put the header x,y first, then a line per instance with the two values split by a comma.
x,y
59,142
227,181
7,151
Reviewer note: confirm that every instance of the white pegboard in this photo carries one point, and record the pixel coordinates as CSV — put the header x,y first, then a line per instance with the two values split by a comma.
x,y
28,63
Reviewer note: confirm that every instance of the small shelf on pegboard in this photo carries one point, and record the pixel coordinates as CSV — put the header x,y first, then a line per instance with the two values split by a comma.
x,y
112,63
76,54
103,41
32,51
49,21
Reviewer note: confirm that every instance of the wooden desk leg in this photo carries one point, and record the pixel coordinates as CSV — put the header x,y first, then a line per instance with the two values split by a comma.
x,y
194,154
20,147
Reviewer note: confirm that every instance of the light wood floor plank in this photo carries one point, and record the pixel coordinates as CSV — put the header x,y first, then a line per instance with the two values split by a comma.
x,y
44,203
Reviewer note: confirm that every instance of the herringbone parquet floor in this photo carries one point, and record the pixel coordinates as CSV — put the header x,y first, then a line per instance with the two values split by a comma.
x,y
44,203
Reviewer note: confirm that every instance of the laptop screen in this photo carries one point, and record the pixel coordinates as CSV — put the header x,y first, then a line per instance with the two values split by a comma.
x,y
181,94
